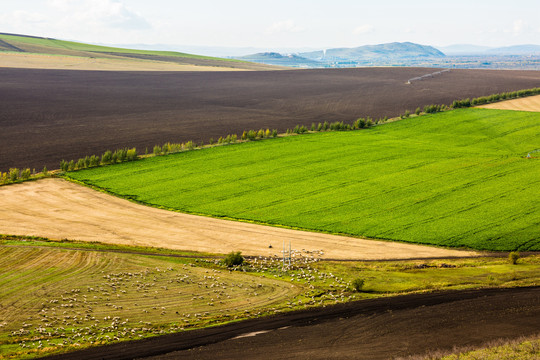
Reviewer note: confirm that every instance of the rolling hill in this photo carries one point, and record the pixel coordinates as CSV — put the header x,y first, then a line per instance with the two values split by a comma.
x,y
27,45
393,50
459,179
273,58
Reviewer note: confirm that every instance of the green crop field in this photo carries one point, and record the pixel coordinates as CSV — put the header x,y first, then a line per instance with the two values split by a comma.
x,y
45,43
459,178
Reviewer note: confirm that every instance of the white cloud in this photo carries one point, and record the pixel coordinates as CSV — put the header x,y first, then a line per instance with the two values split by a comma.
x,y
519,26
99,13
363,29
287,26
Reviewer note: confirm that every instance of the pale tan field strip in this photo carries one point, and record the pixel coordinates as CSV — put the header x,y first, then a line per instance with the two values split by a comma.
x,y
58,209
530,103
57,62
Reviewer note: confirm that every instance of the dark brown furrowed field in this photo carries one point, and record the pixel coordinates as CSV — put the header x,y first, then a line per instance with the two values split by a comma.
x,y
49,115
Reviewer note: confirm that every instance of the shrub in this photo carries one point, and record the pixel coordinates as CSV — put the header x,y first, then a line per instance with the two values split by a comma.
x,y
131,154
417,111
251,135
81,164
45,171
513,257
71,165
63,165
274,133
25,174
233,259
360,123
157,150
106,158
94,161
358,284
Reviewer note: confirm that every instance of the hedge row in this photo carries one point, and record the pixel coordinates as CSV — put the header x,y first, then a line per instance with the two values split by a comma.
x,y
494,98
17,175
121,155
107,158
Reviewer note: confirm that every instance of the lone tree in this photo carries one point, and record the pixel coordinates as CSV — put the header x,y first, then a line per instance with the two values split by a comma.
x,y
513,257
233,259
358,284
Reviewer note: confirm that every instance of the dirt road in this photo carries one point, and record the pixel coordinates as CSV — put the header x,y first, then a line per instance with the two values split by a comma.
x,y
370,329
58,209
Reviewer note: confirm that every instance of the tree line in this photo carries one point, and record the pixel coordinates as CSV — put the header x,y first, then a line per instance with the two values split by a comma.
x,y
130,154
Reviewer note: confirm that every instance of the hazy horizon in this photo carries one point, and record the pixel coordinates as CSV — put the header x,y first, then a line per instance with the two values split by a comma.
x,y
277,25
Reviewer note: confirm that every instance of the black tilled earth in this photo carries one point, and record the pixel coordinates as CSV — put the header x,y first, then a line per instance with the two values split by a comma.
x,y
371,329
50,115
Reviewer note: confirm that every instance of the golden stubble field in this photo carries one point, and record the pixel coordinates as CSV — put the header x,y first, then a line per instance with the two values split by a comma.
x,y
530,103
59,62
58,209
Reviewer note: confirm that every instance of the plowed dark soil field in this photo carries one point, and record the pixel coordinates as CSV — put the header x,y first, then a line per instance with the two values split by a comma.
x,y
50,115
371,329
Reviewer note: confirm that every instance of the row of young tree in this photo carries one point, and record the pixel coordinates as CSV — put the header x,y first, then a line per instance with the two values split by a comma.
x,y
360,123
17,175
464,103
494,98
122,155
107,158
258,134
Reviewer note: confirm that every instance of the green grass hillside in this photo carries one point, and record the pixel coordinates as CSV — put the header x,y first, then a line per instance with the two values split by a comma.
x,y
52,46
458,178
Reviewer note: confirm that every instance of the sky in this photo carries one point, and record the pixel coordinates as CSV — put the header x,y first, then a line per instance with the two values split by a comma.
x,y
275,24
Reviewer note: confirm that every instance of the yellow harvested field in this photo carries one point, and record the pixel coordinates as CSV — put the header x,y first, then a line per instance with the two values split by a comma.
x,y
58,62
58,209
530,103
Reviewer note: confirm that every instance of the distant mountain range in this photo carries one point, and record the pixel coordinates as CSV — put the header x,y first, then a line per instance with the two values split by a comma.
x,y
406,54
467,49
393,50
273,58
330,57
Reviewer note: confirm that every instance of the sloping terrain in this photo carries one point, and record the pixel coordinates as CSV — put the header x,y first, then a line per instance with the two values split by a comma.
x,y
58,209
372,330
71,298
459,178
64,53
391,50
50,115
531,103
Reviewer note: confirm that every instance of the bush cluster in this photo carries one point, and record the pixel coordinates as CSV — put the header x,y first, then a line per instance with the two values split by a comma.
x,y
359,123
15,175
107,158
258,134
233,259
